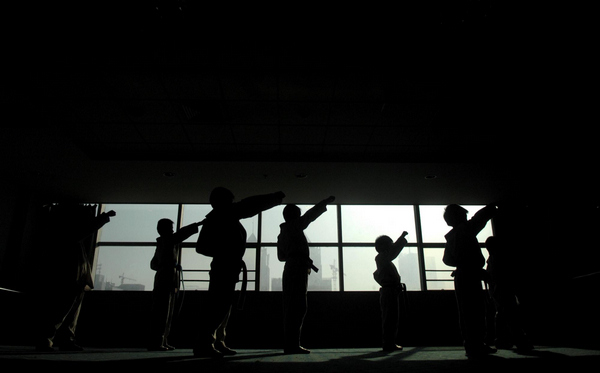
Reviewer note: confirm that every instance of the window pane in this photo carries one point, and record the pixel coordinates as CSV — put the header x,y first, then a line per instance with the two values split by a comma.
x,y
440,285
193,214
124,268
359,265
366,223
434,227
322,230
433,260
135,223
271,270
435,269
197,266
325,259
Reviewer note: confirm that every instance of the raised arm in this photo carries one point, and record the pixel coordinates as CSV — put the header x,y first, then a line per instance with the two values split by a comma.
x,y
481,217
396,248
251,206
314,212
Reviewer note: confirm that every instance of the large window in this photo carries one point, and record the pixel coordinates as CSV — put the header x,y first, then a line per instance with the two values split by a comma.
x,y
433,228
341,244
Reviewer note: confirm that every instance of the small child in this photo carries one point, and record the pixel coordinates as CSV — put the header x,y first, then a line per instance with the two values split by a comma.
x,y
292,248
388,278
166,280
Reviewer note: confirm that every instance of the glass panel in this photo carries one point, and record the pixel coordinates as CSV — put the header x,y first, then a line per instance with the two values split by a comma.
x,y
193,214
325,259
190,259
271,270
433,260
434,227
191,262
135,223
366,223
440,285
322,230
124,268
359,265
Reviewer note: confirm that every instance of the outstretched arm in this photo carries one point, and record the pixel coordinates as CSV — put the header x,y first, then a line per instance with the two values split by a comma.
x,y
251,206
315,211
396,248
481,217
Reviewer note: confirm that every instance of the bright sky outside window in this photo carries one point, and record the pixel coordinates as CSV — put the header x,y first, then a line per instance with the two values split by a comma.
x,y
127,244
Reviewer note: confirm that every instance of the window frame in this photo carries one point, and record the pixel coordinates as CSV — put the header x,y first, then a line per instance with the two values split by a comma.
x,y
258,246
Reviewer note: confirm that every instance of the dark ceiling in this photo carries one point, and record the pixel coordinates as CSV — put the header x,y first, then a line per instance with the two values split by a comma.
x,y
159,101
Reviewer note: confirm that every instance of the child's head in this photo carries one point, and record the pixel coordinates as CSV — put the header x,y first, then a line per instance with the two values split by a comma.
x,y
291,212
455,214
164,227
220,197
383,243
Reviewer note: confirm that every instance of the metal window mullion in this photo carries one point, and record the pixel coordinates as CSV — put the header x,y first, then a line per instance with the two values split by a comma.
x,y
258,253
178,227
420,251
340,249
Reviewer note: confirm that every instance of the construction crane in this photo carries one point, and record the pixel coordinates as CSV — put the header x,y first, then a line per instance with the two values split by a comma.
x,y
123,278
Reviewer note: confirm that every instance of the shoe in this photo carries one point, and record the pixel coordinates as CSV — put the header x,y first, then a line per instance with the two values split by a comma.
x,y
158,348
44,348
523,348
392,348
480,351
168,347
72,346
224,349
295,350
207,352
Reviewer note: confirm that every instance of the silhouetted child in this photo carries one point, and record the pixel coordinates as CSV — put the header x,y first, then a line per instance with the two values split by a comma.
x,y
292,248
464,252
166,280
388,278
69,227
223,238
503,290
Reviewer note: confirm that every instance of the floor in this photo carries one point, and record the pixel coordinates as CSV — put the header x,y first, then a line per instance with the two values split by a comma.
x,y
412,359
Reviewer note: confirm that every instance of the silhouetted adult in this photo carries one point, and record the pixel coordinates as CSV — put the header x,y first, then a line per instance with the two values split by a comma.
x,y
166,280
223,238
388,278
503,285
464,252
292,248
61,299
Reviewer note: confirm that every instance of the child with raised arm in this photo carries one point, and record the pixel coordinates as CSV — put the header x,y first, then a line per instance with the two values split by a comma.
x,y
166,280
388,278
292,248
